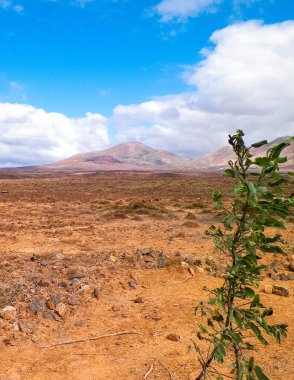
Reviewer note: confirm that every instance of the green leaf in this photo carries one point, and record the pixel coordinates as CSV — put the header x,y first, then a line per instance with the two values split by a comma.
x,y
262,161
250,364
260,374
259,143
229,173
271,249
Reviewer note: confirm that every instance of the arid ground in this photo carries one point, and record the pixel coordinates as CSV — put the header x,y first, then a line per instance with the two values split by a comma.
x,y
90,255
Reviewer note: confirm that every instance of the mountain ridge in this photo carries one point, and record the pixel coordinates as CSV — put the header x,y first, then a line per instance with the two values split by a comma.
x,y
136,156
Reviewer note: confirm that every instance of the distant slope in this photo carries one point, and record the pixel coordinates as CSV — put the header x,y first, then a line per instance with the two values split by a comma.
x,y
220,157
128,156
135,156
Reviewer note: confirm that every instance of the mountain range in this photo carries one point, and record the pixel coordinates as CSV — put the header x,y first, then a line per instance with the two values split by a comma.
x,y
135,156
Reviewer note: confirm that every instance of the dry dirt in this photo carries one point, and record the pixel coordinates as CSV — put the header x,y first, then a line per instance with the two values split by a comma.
x,y
93,243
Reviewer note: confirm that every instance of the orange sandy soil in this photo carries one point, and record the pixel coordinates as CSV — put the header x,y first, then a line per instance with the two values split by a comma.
x,y
93,222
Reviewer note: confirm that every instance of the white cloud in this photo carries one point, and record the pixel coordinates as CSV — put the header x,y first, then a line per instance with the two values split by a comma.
x,y
181,10
246,80
29,135
9,5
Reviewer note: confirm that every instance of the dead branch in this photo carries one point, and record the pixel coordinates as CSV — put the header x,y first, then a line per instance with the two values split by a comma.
x,y
92,338
181,282
149,371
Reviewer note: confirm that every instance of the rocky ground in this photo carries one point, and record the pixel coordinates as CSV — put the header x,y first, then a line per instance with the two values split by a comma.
x,y
100,276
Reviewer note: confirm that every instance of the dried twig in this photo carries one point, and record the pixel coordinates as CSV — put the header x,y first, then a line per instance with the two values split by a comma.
x,y
170,375
92,338
149,371
181,282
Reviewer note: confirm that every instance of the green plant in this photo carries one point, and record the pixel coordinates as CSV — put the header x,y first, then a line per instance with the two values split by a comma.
x,y
235,315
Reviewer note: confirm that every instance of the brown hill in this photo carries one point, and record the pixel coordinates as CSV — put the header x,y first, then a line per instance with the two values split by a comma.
x,y
220,157
128,156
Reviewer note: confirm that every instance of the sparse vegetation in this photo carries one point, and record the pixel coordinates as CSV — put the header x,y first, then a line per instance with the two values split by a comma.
x,y
236,318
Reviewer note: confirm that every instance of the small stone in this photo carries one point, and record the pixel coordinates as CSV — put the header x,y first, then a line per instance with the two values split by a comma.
x,y
57,256
284,276
26,327
268,289
184,264
112,259
291,266
37,305
133,284
8,312
77,275
191,270
138,300
80,323
43,283
85,289
199,269
173,337
72,301
161,260
147,251
50,304
48,314
198,263
61,309
96,293
275,277
280,291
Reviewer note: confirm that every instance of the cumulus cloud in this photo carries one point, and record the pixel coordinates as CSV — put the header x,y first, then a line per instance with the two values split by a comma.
x,y
245,80
181,10
30,136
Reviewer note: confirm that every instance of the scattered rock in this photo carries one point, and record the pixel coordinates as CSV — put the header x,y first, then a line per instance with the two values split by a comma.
x,y
161,260
43,283
132,284
85,289
291,266
173,337
35,258
112,259
80,323
37,305
138,300
96,293
76,275
199,269
57,256
8,312
26,327
61,309
191,270
275,277
268,289
184,264
198,263
72,300
147,251
49,314
280,291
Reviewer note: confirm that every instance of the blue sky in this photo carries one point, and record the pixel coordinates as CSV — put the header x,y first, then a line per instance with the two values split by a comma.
x,y
76,57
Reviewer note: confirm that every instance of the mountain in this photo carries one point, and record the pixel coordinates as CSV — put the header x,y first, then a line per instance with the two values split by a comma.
x,y
219,158
135,156
128,156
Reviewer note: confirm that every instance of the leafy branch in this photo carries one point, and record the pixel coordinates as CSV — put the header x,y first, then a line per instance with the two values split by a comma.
x,y
234,312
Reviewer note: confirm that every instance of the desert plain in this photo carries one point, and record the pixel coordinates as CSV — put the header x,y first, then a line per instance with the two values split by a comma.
x,y
103,271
